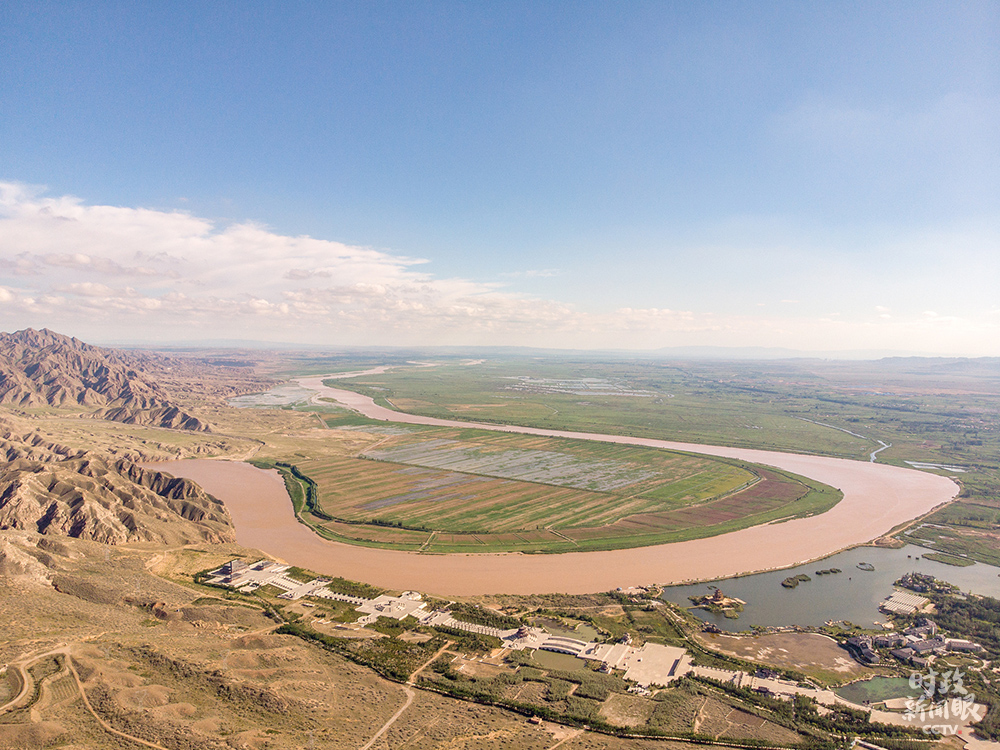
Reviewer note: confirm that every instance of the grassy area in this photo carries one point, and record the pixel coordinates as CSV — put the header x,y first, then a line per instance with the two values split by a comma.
x,y
961,531
942,415
650,496
934,411
670,403
960,562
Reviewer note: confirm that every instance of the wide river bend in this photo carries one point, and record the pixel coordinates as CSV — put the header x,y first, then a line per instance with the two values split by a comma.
x,y
877,498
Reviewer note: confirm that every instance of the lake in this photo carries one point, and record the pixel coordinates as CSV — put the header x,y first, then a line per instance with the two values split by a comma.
x,y
852,595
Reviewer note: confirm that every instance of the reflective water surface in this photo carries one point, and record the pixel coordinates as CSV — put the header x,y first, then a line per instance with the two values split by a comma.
x,y
852,595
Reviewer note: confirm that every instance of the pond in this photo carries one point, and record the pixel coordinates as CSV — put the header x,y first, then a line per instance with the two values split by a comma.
x,y
552,660
581,631
877,689
281,395
853,594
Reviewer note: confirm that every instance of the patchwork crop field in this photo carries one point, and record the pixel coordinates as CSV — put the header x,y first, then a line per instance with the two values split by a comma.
x,y
939,415
463,490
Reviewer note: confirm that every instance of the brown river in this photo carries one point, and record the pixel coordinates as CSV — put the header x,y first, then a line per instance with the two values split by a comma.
x,y
876,499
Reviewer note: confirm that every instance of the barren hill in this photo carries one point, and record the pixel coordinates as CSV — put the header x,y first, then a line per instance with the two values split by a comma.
x,y
15,444
108,501
54,489
43,368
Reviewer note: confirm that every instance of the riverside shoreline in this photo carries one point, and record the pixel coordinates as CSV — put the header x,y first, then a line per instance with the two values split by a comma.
x,y
877,498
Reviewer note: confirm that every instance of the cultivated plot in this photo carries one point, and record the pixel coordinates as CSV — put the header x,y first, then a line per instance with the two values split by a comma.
x,y
451,490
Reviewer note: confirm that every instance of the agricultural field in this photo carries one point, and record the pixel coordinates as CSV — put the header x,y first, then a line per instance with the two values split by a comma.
x,y
578,464
947,408
446,490
653,400
937,415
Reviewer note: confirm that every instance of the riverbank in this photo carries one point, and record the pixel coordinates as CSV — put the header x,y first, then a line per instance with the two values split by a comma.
x,y
876,499
263,517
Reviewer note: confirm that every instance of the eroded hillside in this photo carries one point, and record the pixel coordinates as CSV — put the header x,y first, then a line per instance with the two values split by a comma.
x,y
118,654
108,501
43,368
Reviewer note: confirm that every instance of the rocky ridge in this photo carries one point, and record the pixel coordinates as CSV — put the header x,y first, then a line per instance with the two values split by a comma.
x,y
43,368
108,501
56,490
15,444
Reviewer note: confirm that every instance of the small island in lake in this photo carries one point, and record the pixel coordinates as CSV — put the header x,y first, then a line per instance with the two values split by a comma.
x,y
729,606
922,583
792,581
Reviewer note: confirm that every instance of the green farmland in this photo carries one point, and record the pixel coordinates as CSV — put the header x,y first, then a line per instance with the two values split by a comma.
x,y
939,415
463,490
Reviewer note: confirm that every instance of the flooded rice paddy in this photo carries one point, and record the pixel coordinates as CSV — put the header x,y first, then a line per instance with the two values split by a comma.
x,y
548,467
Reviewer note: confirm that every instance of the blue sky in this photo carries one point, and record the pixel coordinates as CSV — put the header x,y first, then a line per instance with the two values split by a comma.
x,y
815,176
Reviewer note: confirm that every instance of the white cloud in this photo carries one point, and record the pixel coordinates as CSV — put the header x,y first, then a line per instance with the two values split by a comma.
x,y
219,280
953,118
110,272
87,289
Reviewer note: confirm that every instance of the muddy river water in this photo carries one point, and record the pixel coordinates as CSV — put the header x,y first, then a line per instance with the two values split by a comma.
x,y
876,499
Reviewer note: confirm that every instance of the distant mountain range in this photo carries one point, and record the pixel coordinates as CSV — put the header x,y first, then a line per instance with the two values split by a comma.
x,y
667,352
43,368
